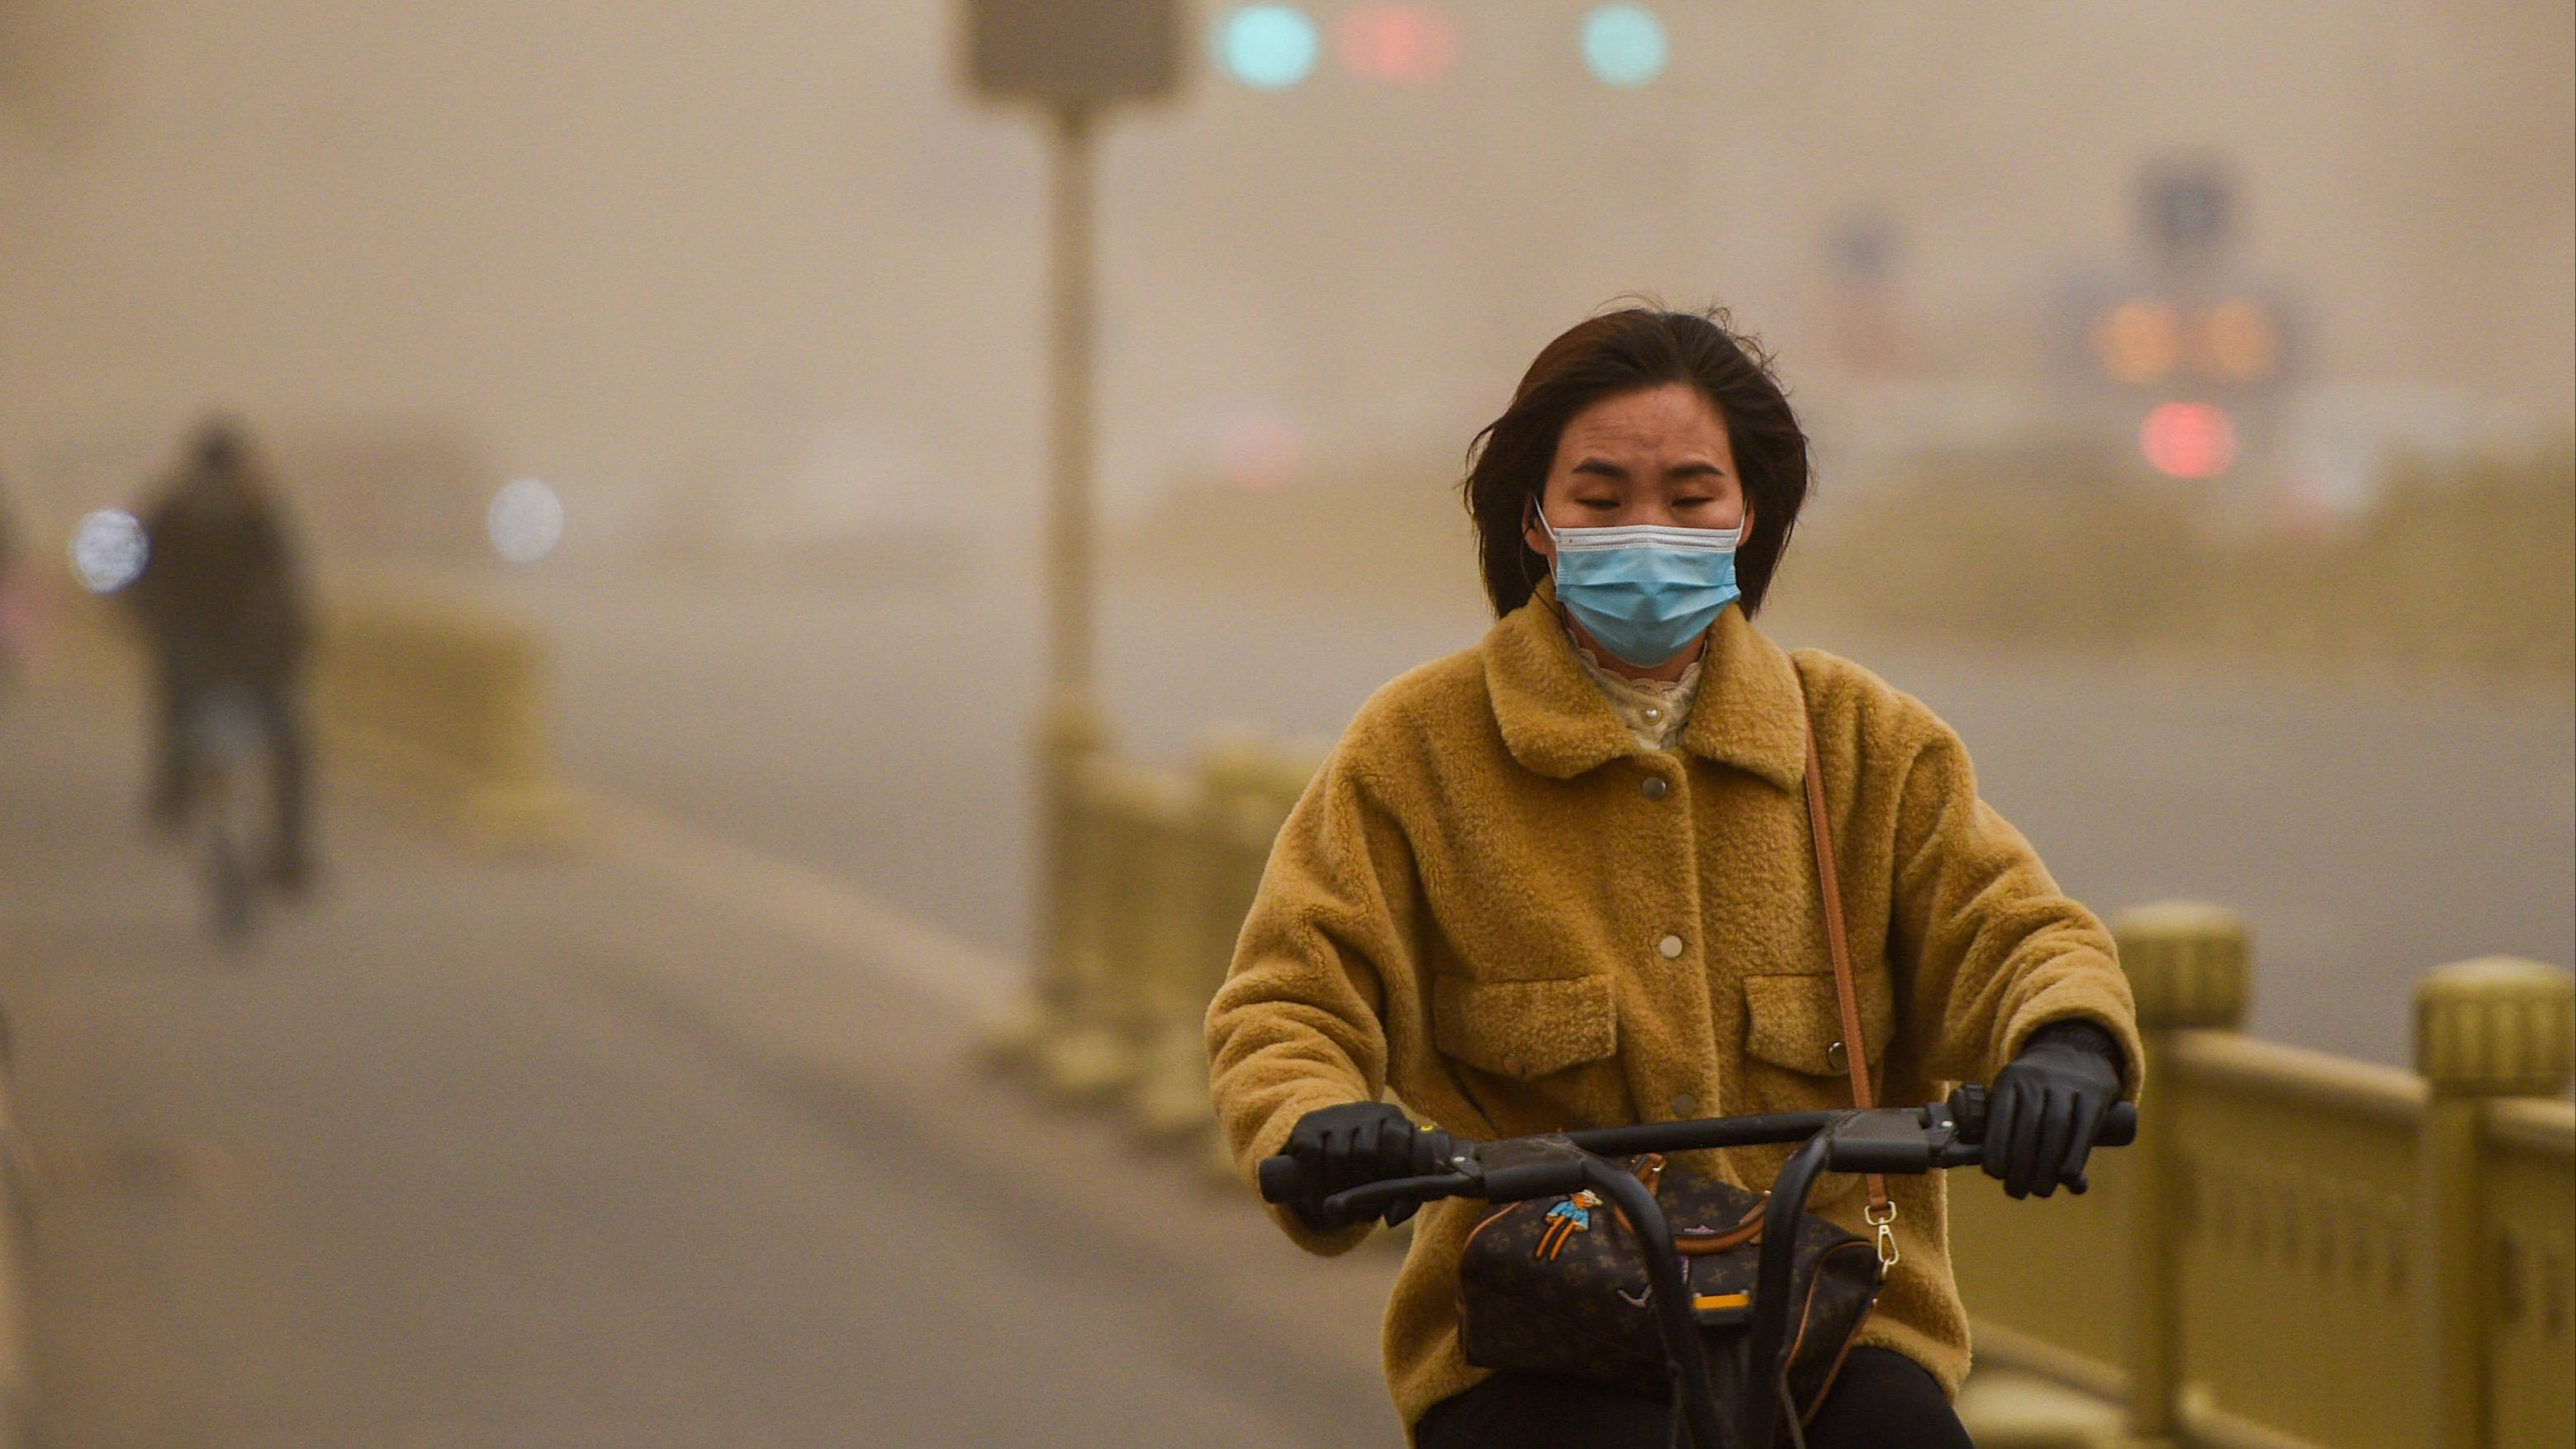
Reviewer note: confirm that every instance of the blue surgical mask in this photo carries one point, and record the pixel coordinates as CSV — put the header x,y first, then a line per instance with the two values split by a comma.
x,y
1644,591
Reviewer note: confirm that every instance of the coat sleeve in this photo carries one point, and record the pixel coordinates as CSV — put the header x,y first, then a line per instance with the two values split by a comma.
x,y
1300,1021
1993,950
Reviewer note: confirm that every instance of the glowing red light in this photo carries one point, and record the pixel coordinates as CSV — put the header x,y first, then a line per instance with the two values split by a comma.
x,y
1405,44
2188,440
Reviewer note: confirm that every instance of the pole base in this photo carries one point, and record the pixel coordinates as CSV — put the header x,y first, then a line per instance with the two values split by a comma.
x,y
1088,1063
1170,1101
1011,1039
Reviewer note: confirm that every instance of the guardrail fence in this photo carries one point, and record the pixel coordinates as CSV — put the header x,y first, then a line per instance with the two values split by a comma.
x,y
2303,1249
448,703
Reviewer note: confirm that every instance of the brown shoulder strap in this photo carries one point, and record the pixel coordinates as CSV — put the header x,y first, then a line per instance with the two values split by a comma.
x,y
1837,943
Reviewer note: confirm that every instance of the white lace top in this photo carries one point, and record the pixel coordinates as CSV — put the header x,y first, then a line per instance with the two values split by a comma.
x,y
1654,710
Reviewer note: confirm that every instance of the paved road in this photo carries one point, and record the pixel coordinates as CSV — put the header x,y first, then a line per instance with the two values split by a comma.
x,y
651,1146
2369,830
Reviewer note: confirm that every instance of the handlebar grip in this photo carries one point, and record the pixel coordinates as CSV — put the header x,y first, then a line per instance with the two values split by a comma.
x,y
1968,1108
1283,1179
2119,1126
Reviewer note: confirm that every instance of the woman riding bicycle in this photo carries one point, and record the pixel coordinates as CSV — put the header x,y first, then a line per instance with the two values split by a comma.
x,y
1563,880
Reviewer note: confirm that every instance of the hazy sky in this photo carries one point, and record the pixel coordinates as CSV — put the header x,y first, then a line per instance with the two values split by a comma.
x,y
636,246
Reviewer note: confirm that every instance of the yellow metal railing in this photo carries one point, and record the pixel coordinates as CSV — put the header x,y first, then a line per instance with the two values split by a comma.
x,y
2301,1249
2530,1156
1154,875
448,702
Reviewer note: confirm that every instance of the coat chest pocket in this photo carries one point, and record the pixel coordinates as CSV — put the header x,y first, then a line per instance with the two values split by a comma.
x,y
1524,1029
1794,1021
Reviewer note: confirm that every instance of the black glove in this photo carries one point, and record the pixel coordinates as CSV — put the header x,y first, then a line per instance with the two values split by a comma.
x,y
1356,1144
2043,1109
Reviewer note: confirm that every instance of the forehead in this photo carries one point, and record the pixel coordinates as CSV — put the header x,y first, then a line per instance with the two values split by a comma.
x,y
1669,421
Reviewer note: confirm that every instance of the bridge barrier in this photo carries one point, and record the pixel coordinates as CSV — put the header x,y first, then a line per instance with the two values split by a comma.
x,y
2303,1249
2301,1252
448,703
444,701
1157,874
1136,884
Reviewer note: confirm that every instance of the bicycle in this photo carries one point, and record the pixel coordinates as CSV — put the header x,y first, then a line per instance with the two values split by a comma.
x,y
227,736
1892,1140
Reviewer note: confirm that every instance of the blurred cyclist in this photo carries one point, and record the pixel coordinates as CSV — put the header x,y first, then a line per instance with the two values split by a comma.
x,y
222,602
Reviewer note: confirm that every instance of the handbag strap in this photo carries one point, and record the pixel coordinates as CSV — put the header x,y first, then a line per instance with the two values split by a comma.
x,y
1882,1213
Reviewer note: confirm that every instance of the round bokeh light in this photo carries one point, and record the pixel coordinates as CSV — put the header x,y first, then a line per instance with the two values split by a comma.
x,y
109,550
1400,44
1268,47
1258,452
2139,340
526,521
2188,440
1625,45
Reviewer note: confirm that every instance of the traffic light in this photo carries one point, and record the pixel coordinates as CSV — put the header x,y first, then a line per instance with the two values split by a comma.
x,y
2188,440
1625,45
2236,341
2139,340
1267,47
1275,46
2144,340
1404,44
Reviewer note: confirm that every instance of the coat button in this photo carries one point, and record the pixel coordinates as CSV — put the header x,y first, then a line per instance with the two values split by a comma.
x,y
1655,787
1671,947
1685,1104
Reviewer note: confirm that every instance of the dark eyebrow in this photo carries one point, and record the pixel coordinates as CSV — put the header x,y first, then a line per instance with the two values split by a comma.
x,y
1600,467
1695,470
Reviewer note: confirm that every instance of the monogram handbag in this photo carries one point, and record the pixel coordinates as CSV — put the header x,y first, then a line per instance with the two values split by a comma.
x,y
1559,1287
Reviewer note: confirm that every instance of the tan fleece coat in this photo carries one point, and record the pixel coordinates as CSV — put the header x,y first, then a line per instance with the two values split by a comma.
x,y
1485,902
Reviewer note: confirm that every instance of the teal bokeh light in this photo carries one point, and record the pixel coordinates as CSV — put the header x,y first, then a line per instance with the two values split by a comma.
x,y
1625,45
1268,46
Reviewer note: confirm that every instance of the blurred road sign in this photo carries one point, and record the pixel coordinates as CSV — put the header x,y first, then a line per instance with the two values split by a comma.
x,y
2187,208
1073,52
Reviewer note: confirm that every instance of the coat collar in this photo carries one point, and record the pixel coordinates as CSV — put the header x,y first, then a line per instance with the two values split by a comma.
x,y
1555,721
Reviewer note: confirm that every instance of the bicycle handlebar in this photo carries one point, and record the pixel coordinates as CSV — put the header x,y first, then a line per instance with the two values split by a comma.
x,y
1881,1139
1917,1140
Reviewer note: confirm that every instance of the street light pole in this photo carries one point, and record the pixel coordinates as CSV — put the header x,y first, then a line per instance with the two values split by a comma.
x,y
1069,431
1074,58
1071,730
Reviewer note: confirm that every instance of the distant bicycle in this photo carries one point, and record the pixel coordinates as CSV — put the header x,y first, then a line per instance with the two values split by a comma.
x,y
229,811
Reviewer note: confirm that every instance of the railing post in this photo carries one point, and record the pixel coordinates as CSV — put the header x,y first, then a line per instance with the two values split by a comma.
x,y
1069,736
2186,964
1169,1102
1097,1052
2492,1027
1252,784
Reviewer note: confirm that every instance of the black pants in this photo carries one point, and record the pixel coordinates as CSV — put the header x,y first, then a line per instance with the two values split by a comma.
x,y
185,686
1880,1400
